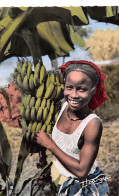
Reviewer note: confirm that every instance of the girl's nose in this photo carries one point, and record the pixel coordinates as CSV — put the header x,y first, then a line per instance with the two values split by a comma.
x,y
74,94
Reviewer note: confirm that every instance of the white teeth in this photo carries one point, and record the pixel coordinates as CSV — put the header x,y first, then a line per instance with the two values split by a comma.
x,y
75,102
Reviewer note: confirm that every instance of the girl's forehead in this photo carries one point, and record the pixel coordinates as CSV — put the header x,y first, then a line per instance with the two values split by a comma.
x,y
77,76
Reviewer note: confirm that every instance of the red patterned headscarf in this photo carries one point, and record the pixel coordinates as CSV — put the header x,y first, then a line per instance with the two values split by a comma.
x,y
100,95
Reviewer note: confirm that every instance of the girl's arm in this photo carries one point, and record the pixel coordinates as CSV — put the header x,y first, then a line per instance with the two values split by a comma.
x,y
88,153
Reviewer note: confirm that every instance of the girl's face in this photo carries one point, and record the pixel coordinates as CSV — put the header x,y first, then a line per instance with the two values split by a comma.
x,y
77,91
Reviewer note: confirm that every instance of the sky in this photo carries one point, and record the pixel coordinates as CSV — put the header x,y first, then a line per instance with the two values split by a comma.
x,y
7,67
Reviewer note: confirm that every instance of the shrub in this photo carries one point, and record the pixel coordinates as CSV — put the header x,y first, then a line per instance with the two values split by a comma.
x,y
110,108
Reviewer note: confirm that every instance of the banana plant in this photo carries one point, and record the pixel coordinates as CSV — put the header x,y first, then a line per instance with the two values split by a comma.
x,y
6,96
5,160
53,24
18,20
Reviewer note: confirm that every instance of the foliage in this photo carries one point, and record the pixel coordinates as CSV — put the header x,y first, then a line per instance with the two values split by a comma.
x,y
5,157
110,108
18,32
103,45
4,93
54,38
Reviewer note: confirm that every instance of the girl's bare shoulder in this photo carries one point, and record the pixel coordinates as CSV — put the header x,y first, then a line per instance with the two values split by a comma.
x,y
93,129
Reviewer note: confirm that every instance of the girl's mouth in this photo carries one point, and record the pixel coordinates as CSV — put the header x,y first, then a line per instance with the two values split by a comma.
x,y
74,102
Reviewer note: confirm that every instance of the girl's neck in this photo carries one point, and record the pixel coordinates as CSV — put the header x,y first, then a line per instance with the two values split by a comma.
x,y
78,114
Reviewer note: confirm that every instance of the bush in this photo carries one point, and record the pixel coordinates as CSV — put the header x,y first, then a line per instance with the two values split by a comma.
x,y
110,108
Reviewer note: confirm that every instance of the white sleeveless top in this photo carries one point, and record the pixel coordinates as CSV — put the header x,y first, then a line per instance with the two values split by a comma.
x,y
68,143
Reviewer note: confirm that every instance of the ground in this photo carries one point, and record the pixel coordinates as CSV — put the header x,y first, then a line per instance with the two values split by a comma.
x,y
108,156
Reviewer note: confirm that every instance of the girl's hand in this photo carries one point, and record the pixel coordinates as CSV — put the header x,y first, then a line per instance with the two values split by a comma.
x,y
44,140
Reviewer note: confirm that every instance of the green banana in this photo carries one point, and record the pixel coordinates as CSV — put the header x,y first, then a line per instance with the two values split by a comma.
x,y
31,82
43,103
40,90
37,74
23,99
53,95
36,80
49,129
56,116
29,70
27,99
43,128
52,107
34,125
61,78
49,90
52,77
24,124
30,126
43,74
39,125
58,94
19,66
57,79
22,110
48,103
37,68
47,81
38,103
24,69
33,113
49,118
26,83
19,81
32,102
39,114
17,86
28,113
45,114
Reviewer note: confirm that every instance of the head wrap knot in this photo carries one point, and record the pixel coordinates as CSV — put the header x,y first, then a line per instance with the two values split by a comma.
x,y
100,95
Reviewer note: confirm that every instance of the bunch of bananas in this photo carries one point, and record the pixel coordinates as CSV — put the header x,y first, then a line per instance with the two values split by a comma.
x,y
41,92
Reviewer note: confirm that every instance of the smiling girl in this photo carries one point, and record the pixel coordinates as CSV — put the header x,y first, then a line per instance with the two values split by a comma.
x,y
76,135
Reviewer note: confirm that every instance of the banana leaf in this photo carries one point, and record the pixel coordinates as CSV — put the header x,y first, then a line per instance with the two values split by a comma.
x,y
5,94
4,23
50,38
79,15
50,45
35,177
31,39
25,148
76,38
8,32
5,154
107,14
4,12
23,19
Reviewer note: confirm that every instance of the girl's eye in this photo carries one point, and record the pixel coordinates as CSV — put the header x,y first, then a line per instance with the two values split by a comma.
x,y
68,87
82,89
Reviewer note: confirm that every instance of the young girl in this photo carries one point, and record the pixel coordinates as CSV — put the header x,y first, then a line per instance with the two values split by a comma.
x,y
76,135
